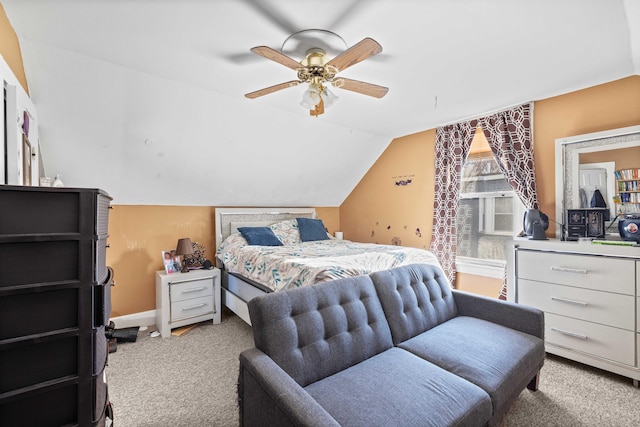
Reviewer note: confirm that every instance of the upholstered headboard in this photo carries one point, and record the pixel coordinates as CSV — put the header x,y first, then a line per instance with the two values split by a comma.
x,y
229,219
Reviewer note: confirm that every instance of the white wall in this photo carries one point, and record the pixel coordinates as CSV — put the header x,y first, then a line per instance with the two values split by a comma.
x,y
17,103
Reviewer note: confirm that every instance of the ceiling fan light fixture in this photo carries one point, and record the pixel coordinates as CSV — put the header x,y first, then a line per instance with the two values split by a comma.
x,y
328,97
311,97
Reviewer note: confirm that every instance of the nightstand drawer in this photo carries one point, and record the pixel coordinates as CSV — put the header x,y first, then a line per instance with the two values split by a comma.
x,y
191,308
583,271
190,289
598,340
186,298
595,306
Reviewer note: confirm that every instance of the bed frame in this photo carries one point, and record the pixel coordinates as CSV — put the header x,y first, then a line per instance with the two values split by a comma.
x,y
237,290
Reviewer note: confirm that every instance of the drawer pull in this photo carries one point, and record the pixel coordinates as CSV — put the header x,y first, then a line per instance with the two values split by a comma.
x,y
177,281
571,334
569,301
193,307
186,291
569,270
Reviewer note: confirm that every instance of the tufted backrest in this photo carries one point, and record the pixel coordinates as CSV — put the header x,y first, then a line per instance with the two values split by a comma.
x,y
315,331
415,298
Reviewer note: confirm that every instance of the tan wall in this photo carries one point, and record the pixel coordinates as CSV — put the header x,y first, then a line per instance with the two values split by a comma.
x,y
10,49
139,234
137,237
624,158
380,211
375,203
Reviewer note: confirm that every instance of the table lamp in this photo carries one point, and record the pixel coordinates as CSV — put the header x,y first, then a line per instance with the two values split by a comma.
x,y
184,248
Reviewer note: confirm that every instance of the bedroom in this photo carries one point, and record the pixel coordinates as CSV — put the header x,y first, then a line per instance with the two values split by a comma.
x,y
344,176
154,209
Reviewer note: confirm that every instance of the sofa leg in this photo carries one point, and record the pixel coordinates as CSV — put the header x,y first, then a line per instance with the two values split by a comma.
x,y
534,383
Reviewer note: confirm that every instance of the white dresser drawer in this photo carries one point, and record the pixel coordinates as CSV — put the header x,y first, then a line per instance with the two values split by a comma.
x,y
190,289
595,306
598,340
191,308
585,271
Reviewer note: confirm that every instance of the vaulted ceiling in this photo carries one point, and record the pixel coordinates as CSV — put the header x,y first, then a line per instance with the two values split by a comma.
x,y
144,98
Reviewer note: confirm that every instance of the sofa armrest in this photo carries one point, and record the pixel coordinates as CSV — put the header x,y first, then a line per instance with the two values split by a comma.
x,y
267,395
522,318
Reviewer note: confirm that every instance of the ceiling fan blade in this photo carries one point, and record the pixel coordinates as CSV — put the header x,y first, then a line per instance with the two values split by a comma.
x,y
360,87
274,55
271,89
356,53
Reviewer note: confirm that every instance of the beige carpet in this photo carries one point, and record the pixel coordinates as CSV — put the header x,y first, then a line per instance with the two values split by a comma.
x,y
190,381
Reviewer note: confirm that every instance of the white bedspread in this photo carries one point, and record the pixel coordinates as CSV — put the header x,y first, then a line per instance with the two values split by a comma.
x,y
283,267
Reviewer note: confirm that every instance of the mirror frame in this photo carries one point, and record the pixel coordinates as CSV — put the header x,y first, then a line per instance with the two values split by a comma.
x,y
568,152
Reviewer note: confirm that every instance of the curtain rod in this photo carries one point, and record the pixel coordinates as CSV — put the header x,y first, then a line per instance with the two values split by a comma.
x,y
488,113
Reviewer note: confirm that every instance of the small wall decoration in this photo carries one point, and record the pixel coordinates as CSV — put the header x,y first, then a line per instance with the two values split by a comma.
x,y
25,123
403,180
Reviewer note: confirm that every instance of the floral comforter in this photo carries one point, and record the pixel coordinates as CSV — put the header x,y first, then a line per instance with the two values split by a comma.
x,y
284,267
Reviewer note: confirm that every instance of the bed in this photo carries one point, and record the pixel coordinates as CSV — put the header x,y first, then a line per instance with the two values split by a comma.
x,y
252,270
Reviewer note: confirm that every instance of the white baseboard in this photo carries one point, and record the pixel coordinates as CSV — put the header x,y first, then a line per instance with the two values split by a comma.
x,y
144,318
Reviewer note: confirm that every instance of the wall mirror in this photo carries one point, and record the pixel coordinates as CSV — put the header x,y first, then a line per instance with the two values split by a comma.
x,y
612,150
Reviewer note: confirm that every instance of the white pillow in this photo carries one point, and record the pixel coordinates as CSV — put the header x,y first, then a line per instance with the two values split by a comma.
x,y
287,231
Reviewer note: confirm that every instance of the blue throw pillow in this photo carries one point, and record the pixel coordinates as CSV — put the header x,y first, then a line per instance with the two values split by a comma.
x,y
259,236
311,229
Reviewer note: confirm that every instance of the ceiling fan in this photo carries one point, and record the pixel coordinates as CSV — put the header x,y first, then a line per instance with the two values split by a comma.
x,y
318,72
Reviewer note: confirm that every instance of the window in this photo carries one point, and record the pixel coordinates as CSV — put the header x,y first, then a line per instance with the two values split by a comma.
x,y
489,215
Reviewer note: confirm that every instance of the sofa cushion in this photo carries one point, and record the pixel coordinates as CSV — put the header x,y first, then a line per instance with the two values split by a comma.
x,y
415,298
316,331
396,388
499,360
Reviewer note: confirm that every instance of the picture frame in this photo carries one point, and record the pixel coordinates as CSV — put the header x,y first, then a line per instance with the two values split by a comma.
x,y
26,160
171,261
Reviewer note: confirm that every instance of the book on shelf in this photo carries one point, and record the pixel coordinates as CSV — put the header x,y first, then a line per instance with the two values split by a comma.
x,y
627,174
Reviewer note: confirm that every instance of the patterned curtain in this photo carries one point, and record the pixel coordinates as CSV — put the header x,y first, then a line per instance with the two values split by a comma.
x,y
509,136
452,148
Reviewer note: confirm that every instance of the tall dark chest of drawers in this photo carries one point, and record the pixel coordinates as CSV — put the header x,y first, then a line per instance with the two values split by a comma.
x,y
55,301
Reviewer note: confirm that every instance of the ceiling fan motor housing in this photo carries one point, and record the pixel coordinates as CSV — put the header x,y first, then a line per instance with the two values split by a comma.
x,y
314,69
315,56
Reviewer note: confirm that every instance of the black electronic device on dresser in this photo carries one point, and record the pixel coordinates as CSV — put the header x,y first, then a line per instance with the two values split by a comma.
x,y
55,300
586,223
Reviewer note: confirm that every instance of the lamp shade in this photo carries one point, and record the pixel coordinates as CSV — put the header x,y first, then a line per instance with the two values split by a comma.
x,y
184,247
328,97
311,97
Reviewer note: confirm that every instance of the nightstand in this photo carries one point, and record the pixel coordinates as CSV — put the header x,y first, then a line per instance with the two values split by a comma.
x,y
186,298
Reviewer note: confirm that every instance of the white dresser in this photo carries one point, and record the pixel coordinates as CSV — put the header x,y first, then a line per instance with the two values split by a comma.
x,y
186,298
591,298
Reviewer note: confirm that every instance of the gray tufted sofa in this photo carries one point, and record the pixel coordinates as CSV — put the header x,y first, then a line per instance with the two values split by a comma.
x,y
393,348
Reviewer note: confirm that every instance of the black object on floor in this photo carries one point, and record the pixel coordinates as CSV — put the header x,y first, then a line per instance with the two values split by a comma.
x,y
123,334
126,334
